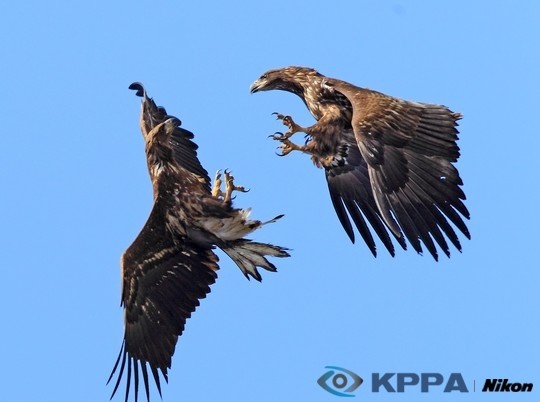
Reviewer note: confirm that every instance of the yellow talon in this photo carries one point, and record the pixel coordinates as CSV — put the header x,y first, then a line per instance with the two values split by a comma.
x,y
216,189
230,187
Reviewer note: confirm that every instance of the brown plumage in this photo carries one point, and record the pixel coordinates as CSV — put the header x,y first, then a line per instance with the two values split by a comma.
x,y
387,161
171,264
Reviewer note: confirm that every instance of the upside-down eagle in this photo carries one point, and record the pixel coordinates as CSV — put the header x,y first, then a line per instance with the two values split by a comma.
x,y
387,161
171,263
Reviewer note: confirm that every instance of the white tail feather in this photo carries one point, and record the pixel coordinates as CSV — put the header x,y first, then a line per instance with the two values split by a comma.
x,y
249,255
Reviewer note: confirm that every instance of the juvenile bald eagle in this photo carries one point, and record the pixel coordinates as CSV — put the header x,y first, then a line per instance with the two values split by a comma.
x,y
171,265
387,161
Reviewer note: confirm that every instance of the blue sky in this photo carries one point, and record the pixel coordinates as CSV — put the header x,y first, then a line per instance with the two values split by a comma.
x,y
76,193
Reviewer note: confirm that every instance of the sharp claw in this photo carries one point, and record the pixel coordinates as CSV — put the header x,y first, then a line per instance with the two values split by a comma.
x,y
230,187
278,136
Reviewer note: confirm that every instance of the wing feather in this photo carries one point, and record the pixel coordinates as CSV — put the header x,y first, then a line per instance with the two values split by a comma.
x,y
410,148
341,212
352,195
163,281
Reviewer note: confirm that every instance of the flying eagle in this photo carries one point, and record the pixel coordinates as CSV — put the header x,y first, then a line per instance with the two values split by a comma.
x,y
388,162
171,263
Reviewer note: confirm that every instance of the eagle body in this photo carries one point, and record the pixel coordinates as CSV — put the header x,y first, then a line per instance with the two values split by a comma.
x,y
171,264
388,162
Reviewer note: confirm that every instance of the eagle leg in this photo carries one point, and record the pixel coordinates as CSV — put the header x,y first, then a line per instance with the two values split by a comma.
x,y
287,147
230,187
216,188
291,125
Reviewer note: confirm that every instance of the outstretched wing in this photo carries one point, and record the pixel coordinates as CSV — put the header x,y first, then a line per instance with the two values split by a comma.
x,y
163,280
409,149
350,191
183,150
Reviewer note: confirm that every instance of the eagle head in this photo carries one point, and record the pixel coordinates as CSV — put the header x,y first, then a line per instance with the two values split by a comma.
x,y
289,79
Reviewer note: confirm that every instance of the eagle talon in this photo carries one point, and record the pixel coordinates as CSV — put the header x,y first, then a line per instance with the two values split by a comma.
x,y
277,136
290,124
230,187
287,147
216,188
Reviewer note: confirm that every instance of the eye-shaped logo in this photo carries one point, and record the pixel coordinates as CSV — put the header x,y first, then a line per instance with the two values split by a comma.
x,y
343,382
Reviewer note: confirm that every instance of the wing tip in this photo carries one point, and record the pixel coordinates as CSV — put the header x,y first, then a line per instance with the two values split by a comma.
x,y
133,364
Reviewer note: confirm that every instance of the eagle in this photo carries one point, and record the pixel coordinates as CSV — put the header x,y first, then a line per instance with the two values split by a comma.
x,y
171,264
389,162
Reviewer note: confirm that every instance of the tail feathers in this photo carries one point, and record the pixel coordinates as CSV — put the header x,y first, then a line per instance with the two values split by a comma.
x,y
249,255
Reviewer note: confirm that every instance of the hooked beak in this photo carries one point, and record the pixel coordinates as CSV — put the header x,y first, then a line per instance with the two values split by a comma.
x,y
256,86
137,86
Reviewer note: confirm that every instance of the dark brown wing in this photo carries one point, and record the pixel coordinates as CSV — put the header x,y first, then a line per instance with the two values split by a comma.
x,y
163,281
184,151
351,194
410,148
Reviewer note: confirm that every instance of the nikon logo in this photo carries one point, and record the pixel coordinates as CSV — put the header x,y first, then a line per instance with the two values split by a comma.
x,y
503,385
